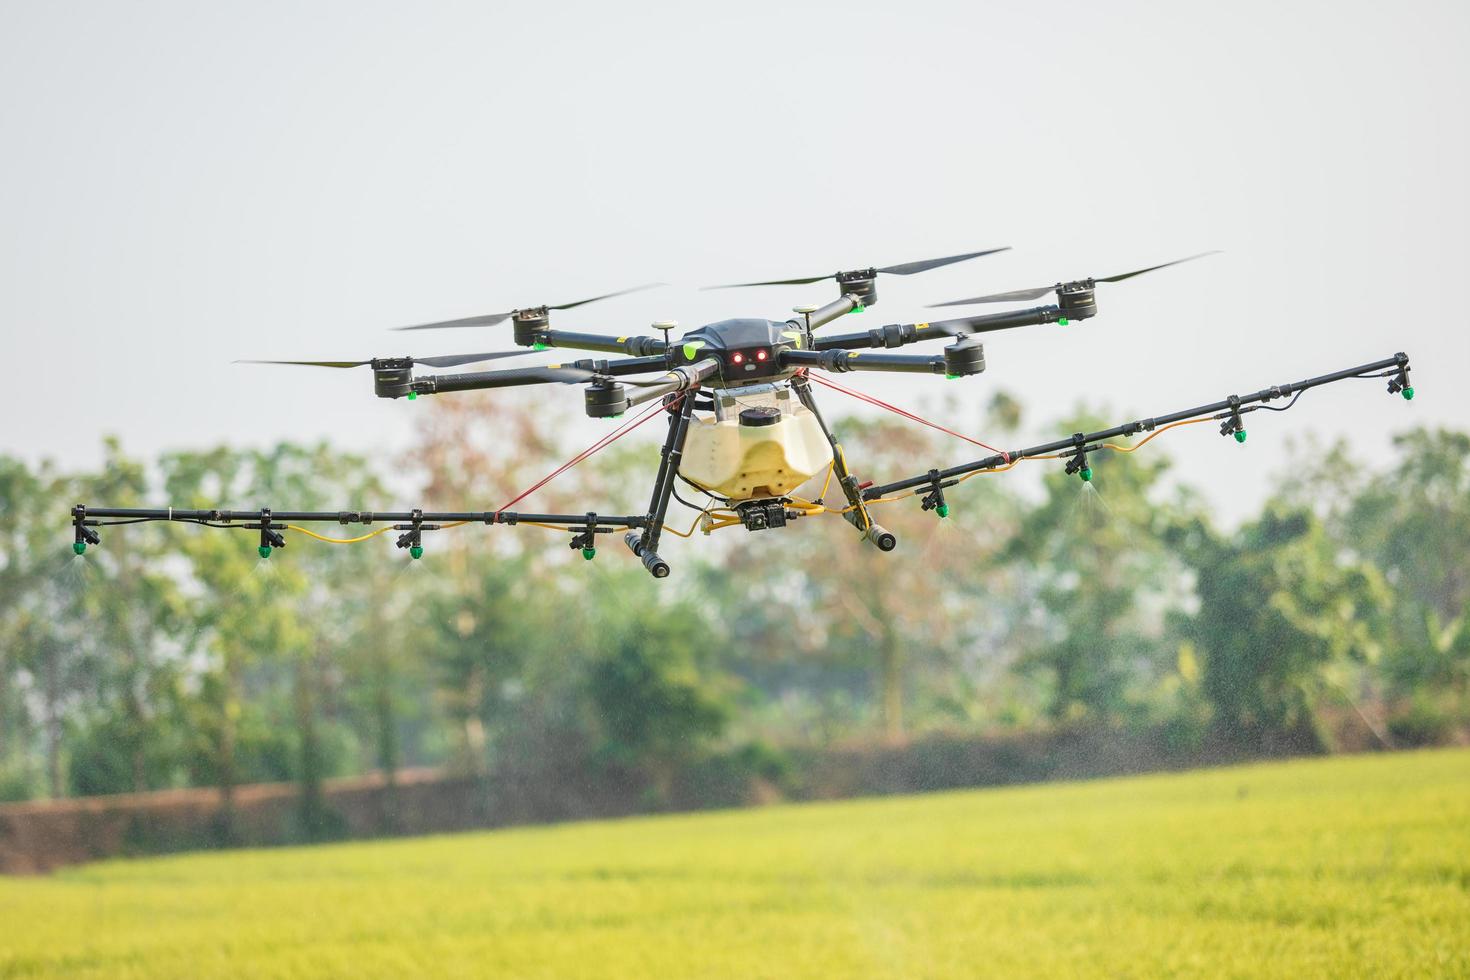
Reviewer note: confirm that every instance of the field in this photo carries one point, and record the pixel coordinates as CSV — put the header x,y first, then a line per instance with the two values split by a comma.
x,y
1333,867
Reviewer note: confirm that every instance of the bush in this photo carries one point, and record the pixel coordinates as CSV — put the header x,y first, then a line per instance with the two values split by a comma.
x,y
1426,721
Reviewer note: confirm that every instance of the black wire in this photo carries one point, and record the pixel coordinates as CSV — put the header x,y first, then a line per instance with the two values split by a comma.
x,y
170,520
717,499
1281,408
686,503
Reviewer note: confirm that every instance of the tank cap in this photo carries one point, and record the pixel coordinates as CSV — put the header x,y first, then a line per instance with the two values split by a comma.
x,y
760,415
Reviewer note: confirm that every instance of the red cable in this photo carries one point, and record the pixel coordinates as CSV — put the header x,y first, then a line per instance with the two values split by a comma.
x,y
600,444
880,403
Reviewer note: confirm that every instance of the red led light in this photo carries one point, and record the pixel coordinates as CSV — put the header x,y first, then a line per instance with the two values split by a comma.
x,y
737,358
760,355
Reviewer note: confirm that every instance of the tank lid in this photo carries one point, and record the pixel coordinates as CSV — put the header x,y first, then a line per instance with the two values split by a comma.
x,y
760,415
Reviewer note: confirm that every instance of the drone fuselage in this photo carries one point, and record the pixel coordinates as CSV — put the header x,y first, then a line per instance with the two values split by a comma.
x,y
749,350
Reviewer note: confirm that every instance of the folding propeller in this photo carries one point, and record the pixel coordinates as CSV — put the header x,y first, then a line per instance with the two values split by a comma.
x,y
554,372
491,319
442,360
903,269
1021,295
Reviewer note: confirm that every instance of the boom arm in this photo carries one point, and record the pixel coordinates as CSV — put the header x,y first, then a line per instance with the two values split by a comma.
x,y
1080,444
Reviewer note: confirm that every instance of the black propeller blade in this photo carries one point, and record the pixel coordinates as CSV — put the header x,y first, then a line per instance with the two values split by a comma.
x,y
491,319
903,269
1021,295
442,360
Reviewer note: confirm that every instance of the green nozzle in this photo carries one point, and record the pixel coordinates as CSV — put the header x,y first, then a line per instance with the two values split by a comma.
x,y
1061,321
417,551
589,553
412,395
79,547
942,510
264,551
1408,393
1086,474
1240,435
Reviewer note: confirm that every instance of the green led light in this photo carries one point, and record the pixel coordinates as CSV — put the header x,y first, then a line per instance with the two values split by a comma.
x,y
1062,320
589,553
942,510
950,377
412,395
417,551
1408,393
1086,474
264,551
539,346
1240,435
79,547
859,308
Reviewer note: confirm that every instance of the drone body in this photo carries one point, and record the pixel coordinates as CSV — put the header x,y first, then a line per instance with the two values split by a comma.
x,y
744,428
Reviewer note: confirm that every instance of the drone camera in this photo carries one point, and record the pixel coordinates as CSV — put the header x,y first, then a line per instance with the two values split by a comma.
x,y
761,515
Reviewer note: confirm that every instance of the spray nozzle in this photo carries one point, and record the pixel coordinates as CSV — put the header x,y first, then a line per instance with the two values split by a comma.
x,y
934,499
413,536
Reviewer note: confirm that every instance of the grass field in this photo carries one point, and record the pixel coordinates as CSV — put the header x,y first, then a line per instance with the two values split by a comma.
x,y
1333,867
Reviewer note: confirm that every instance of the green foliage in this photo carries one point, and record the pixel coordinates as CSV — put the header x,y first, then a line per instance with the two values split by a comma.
x,y
173,656
1278,605
654,696
1097,564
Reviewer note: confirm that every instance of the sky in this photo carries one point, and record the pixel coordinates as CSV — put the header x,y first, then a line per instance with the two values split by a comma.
x,y
186,184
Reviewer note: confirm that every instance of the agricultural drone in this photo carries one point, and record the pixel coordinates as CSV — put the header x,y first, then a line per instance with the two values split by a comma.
x,y
744,430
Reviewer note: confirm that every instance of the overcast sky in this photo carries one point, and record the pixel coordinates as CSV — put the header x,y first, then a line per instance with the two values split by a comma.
x,y
186,184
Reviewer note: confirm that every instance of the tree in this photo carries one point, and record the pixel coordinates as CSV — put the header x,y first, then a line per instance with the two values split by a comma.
x,y
1413,521
1099,575
654,695
1279,607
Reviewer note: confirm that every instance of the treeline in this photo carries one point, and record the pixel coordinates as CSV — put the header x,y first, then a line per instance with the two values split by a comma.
x,y
175,656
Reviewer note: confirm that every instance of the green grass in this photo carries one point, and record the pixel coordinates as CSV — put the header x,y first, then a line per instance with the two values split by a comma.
x,y
1333,867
